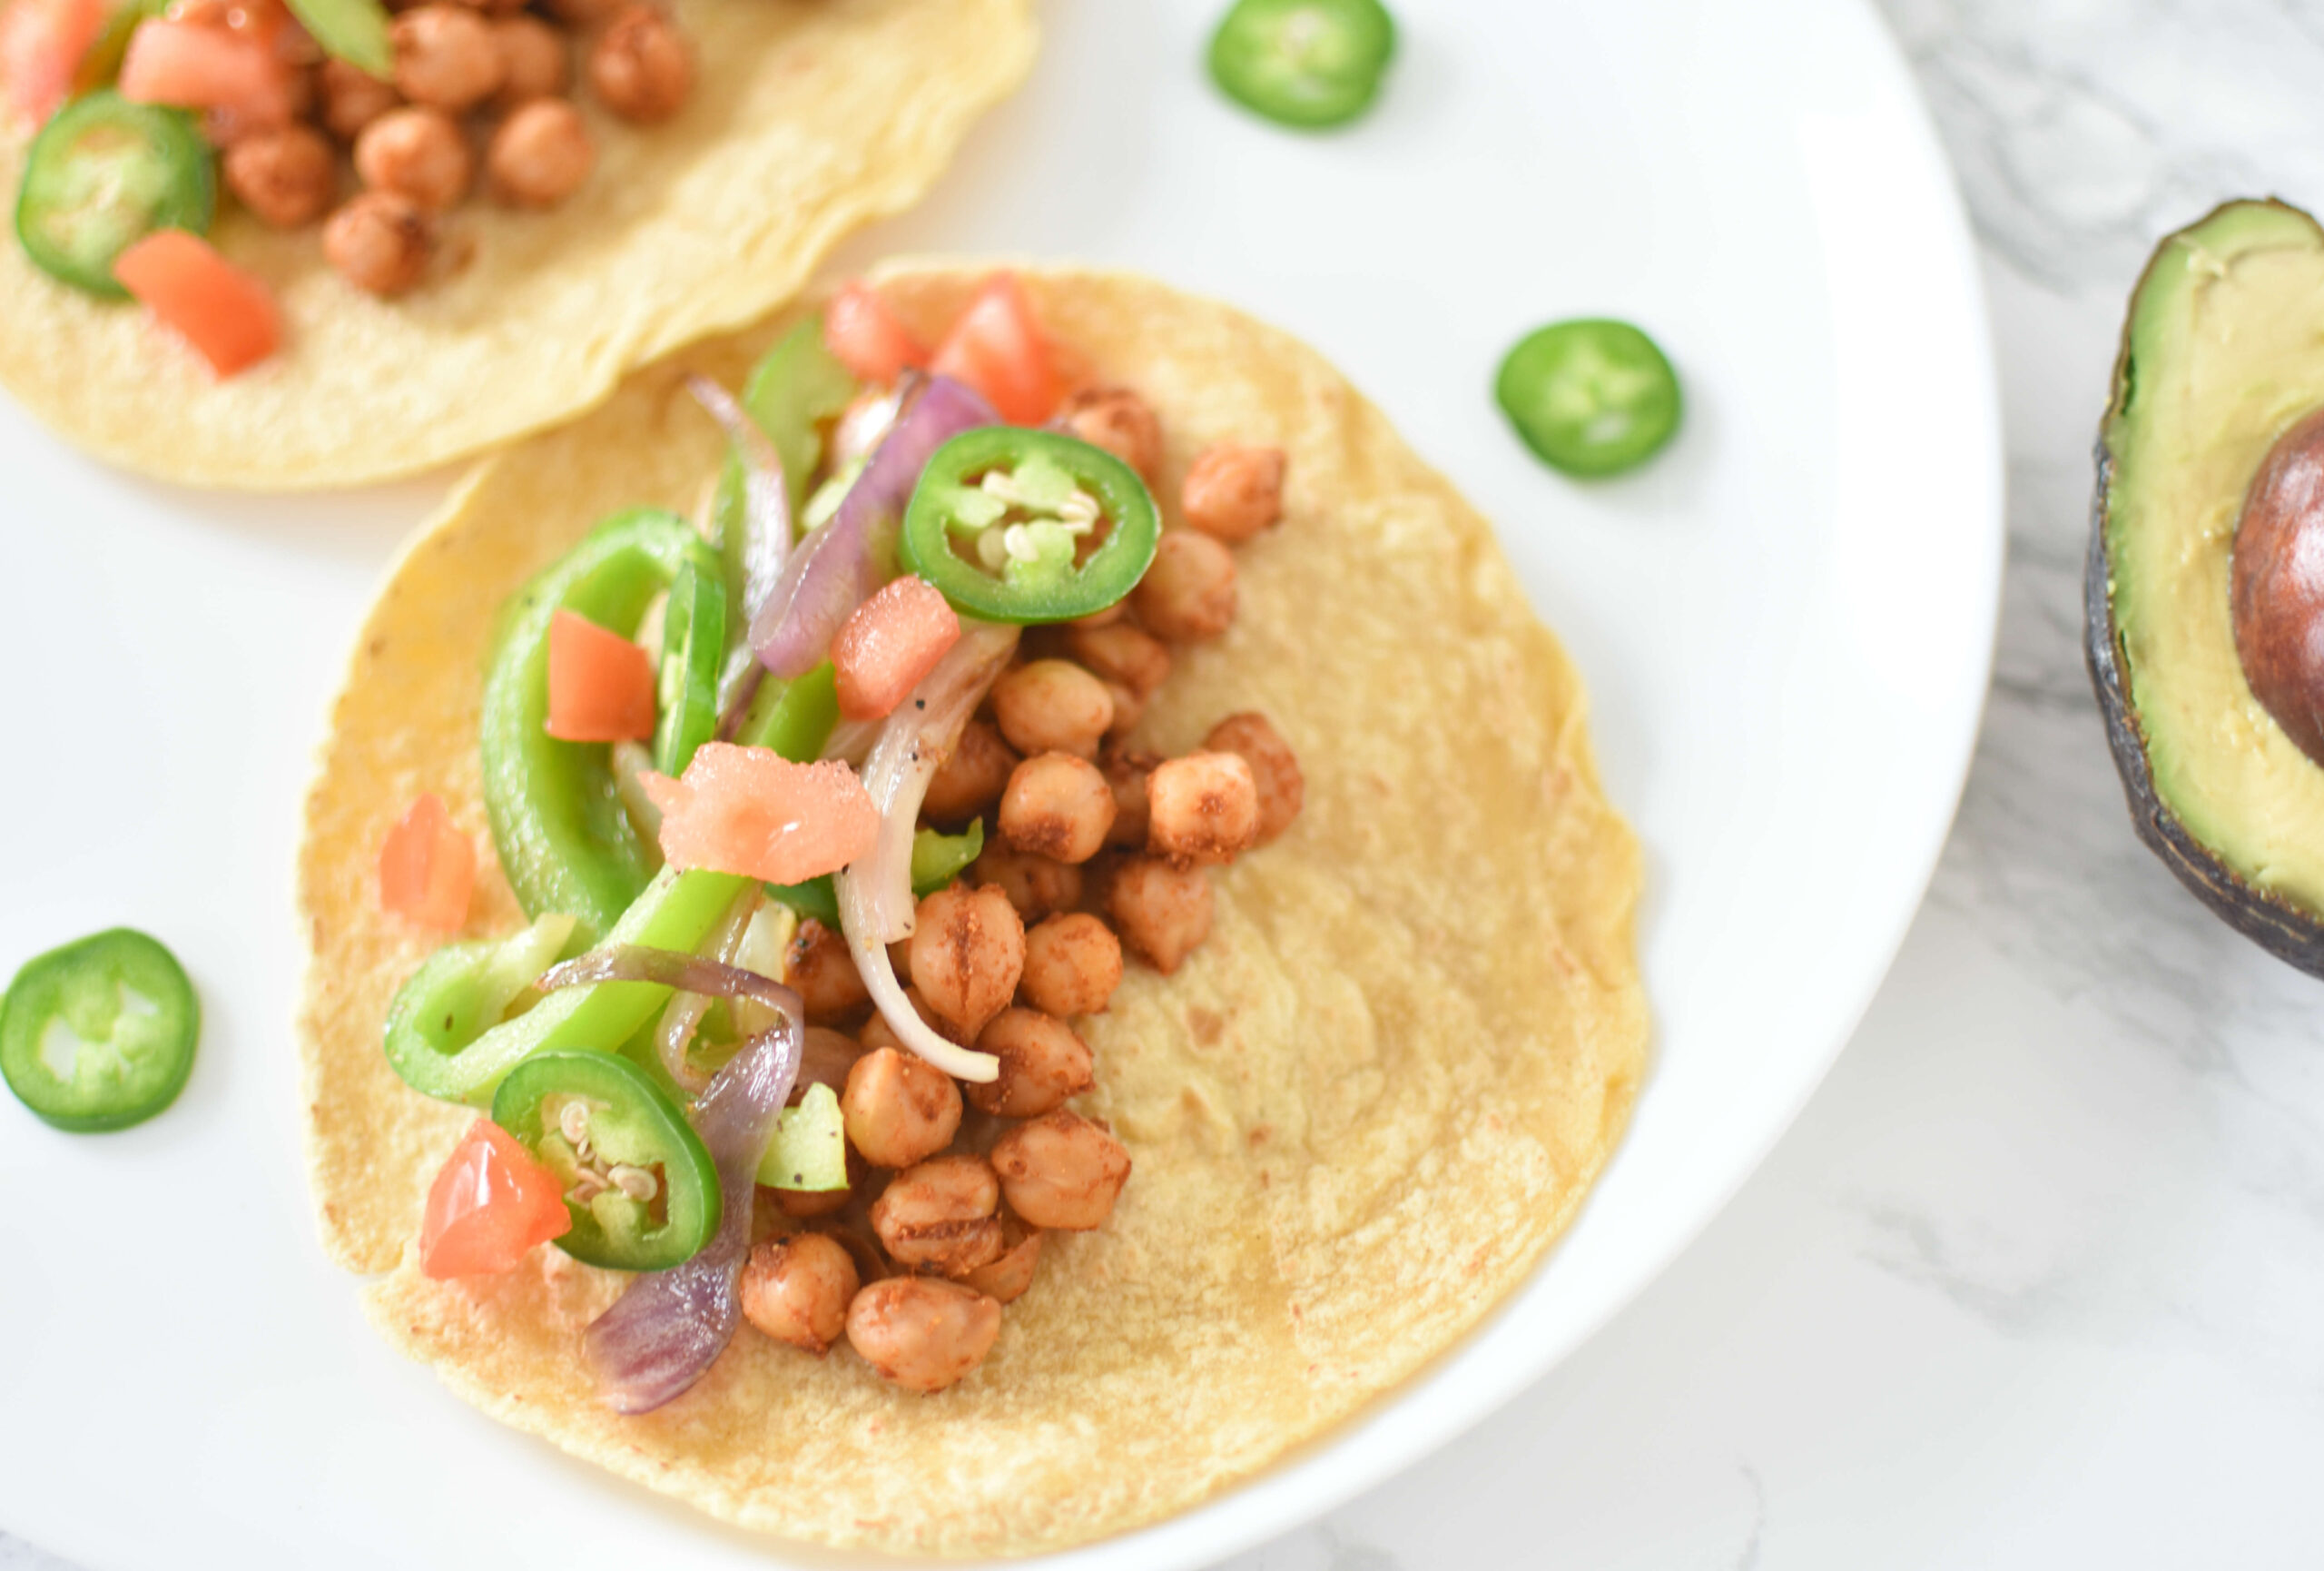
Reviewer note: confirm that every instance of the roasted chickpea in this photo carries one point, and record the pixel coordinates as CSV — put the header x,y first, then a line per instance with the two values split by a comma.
x,y
968,949
1035,886
287,177
939,1216
1127,773
640,66
1119,421
534,59
1043,1063
807,1204
972,777
1073,963
540,155
819,965
352,99
825,1056
417,153
923,1332
1123,654
379,242
899,1108
1058,806
1234,491
797,1289
1061,1171
1283,790
445,57
1189,592
1005,1279
581,13
1202,807
1129,708
1161,911
1052,706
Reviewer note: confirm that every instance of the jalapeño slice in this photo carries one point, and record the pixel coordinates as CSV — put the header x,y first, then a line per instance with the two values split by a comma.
x,y
1028,526
1591,397
103,174
1306,63
638,1181
693,647
99,1034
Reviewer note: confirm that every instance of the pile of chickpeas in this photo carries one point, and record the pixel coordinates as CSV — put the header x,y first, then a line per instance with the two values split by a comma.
x,y
475,80
1099,848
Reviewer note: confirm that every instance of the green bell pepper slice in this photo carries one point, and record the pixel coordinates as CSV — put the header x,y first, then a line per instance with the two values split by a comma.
x,y
638,1182
99,1034
693,644
565,839
1028,526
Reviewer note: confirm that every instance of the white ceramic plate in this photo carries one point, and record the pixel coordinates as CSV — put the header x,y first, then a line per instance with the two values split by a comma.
x,y
1785,621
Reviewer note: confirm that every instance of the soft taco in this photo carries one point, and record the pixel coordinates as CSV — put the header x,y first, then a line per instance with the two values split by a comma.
x,y
1351,1019
471,234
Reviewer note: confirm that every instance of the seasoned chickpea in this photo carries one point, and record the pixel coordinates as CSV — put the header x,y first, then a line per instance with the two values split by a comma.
x,y
1119,421
899,1108
640,66
939,1216
534,59
1129,708
1058,806
581,13
825,1056
1035,886
797,1289
973,778
1129,772
820,967
380,242
1122,653
1161,911
923,1332
1189,592
808,1204
445,57
1072,964
1043,1063
1061,1171
1005,1279
1052,706
1234,491
287,176
540,155
352,99
1283,790
968,949
417,153
1202,807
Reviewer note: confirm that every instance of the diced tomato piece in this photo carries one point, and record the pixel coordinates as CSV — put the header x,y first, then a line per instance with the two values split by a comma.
x,y
426,867
889,643
192,65
997,348
488,1205
228,316
41,45
865,337
600,685
752,812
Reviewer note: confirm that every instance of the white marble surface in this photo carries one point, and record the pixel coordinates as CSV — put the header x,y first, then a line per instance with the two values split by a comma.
x,y
2038,1278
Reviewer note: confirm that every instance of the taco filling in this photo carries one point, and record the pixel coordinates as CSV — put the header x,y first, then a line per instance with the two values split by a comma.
x,y
839,828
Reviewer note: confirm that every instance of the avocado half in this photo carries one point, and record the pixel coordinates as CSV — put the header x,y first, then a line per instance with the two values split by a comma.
x,y
2223,352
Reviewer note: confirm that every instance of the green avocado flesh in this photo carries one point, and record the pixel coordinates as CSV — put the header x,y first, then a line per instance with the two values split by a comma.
x,y
2224,351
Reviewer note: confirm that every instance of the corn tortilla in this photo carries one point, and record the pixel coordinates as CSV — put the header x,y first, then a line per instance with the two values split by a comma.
x,y
1359,1114
809,118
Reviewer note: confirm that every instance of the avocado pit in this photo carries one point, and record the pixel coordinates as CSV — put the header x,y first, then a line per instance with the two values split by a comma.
x,y
2277,585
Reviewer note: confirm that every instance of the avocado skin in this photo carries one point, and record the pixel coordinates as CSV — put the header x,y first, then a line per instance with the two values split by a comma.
x,y
2282,929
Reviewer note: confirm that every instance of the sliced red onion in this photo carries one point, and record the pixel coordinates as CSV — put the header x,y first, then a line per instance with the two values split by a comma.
x,y
840,562
683,1012
767,529
875,902
668,1328
851,741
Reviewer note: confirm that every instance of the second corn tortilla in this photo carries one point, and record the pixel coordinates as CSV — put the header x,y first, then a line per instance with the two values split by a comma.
x,y
809,118
1359,1114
